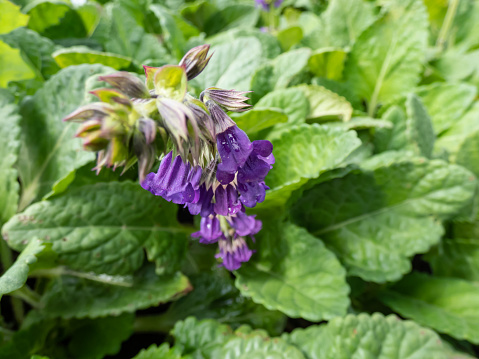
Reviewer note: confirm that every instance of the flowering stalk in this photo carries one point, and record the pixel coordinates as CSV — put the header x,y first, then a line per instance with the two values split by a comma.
x,y
208,164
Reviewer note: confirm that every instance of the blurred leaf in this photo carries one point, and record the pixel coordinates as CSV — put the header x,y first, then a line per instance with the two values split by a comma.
x,y
297,161
102,228
174,38
232,16
328,63
232,65
361,123
259,118
162,352
48,151
445,304
341,24
305,279
468,154
419,127
12,66
199,13
326,104
16,276
374,221
11,17
97,299
376,336
78,55
387,58
257,347
289,37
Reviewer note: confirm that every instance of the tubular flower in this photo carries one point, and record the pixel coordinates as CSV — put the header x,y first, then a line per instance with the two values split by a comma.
x,y
208,164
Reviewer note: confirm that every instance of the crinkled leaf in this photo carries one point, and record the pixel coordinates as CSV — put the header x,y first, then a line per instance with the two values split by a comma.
x,y
97,299
447,305
232,65
78,55
12,66
468,154
297,158
387,58
11,17
103,227
48,149
292,101
369,336
419,127
374,221
16,276
305,280
256,347
162,352
325,104
341,24
260,118
328,63
361,123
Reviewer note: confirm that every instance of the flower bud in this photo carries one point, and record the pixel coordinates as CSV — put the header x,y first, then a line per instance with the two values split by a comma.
x,y
195,61
229,100
127,83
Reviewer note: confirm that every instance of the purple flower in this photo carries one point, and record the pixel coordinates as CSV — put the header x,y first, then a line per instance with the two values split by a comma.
x,y
234,148
234,252
204,205
258,164
252,193
245,225
226,200
175,181
210,230
263,4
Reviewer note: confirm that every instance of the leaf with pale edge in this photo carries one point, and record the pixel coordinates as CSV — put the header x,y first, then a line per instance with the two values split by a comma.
x,y
325,104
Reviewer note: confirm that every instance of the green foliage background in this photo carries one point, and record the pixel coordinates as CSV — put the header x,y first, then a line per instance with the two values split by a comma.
x,y
370,239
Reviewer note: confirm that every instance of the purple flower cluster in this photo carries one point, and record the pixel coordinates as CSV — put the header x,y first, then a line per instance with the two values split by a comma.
x,y
220,191
265,4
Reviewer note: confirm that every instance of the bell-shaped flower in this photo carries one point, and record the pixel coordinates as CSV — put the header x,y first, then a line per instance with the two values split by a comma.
x,y
226,200
210,230
233,252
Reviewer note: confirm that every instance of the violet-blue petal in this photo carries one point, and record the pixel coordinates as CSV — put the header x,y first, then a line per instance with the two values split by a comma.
x,y
210,230
243,224
234,148
203,206
234,252
226,200
252,193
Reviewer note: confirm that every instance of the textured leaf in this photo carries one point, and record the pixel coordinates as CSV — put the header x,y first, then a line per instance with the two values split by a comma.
x,y
445,304
327,62
256,347
325,104
232,65
368,336
292,101
468,154
48,150
103,227
306,280
419,127
341,23
200,339
297,159
446,102
10,133
458,257
374,221
83,55
12,66
386,59
279,73
260,118
232,16
100,299
96,338
16,276
163,351
173,35
361,123
11,17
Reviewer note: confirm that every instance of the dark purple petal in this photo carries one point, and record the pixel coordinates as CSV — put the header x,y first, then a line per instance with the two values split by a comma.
x,y
258,163
243,224
224,177
226,200
234,148
234,252
210,230
204,205
252,193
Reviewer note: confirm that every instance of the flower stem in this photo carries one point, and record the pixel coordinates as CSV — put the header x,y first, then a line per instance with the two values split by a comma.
x,y
28,296
446,25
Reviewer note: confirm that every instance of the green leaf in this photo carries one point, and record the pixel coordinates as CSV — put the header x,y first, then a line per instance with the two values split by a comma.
x,y
296,160
199,12
12,66
10,133
419,127
369,336
232,65
259,118
458,257
446,102
325,104
103,227
341,24
162,352
100,299
279,73
468,154
327,62
232,16
257,347
173,35
78,55
374,221
361,123
386,59
305,279
96,338
48,150
11,17
16,276
200,339
289,37
445,304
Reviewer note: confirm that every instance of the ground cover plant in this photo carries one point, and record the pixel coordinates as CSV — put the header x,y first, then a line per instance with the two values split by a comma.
x,y
239,179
